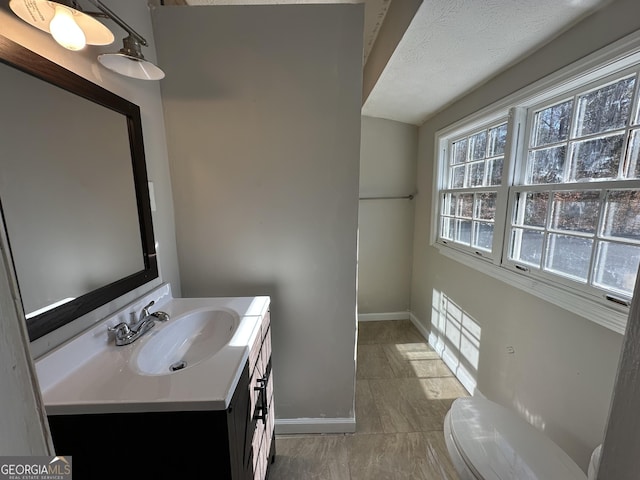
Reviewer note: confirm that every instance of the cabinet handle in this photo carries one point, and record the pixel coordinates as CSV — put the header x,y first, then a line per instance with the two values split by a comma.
x,y
261,405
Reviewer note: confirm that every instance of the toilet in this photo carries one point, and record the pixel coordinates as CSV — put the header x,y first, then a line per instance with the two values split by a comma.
x,y
489,442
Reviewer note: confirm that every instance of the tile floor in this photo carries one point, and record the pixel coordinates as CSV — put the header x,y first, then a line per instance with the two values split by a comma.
x,y
403,391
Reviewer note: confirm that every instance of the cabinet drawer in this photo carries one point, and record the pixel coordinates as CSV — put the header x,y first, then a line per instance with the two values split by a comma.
x,y
266,323
260,470
254,355
268,434
265,353
254,392
270,389
256,444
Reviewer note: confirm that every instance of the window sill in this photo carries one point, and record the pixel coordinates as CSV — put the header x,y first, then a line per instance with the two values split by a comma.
x,y
609,316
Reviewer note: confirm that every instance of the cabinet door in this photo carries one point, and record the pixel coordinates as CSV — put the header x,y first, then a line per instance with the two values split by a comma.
x,y
239,418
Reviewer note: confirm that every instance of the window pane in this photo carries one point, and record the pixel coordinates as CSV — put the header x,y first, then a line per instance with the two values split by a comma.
x,y
622,214
447,204
446,231
605,109
633,155
546,166
460,151
497,140
486,204
478,146
617,266
465,205
463,231
457,177
597,158
526,246
494,175
569,256
551,125
483,235
577,211
476,174
534,212
450,204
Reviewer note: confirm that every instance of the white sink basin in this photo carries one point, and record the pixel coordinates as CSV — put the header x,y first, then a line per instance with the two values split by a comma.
x,y
90,374
184,341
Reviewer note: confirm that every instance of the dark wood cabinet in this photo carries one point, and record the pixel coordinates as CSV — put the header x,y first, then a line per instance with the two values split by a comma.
x,y
236,444
262,406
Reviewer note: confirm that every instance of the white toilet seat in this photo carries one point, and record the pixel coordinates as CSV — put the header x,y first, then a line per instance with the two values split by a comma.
x,y
464,470
489,442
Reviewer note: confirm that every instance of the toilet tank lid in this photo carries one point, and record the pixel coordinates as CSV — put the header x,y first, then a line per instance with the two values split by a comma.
x,y
500,445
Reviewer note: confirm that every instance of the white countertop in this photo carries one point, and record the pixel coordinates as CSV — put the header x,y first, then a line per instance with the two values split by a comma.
x,y
89,374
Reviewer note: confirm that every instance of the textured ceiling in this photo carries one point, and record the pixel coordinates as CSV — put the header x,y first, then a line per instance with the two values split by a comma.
x,y
451,46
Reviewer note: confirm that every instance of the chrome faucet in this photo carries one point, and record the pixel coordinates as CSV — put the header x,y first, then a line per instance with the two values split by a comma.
x,y
129,333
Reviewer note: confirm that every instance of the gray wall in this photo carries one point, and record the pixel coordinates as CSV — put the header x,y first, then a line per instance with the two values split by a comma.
x,y
561,375
388,153
262,106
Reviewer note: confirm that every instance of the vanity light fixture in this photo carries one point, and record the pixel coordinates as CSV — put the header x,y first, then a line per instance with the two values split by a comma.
x,y
73,29
129,60
69,27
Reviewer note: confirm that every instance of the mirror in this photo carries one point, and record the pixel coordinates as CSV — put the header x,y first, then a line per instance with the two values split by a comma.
x,y
73,190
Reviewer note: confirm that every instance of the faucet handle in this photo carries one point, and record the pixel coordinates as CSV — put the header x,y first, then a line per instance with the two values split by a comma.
x,y
123,334
145,309
162,316
120,329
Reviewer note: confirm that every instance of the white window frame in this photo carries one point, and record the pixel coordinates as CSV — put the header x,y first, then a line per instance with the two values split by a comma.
x,y
502,190
585,302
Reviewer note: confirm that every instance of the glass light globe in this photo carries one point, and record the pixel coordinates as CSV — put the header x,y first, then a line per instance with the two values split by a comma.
x,y
65,30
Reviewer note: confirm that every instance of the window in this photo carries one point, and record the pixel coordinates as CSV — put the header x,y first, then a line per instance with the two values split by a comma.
x,y
474,176
551,191
577,213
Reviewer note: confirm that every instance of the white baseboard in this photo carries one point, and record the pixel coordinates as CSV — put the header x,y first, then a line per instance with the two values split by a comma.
x,y
377,317
466,379
288,426
421,328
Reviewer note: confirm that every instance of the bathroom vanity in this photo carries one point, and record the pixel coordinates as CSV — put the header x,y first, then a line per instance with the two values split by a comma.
x,y
128,410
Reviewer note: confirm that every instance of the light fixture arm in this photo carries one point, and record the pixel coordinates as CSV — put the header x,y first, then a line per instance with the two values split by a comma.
x,y
113,16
